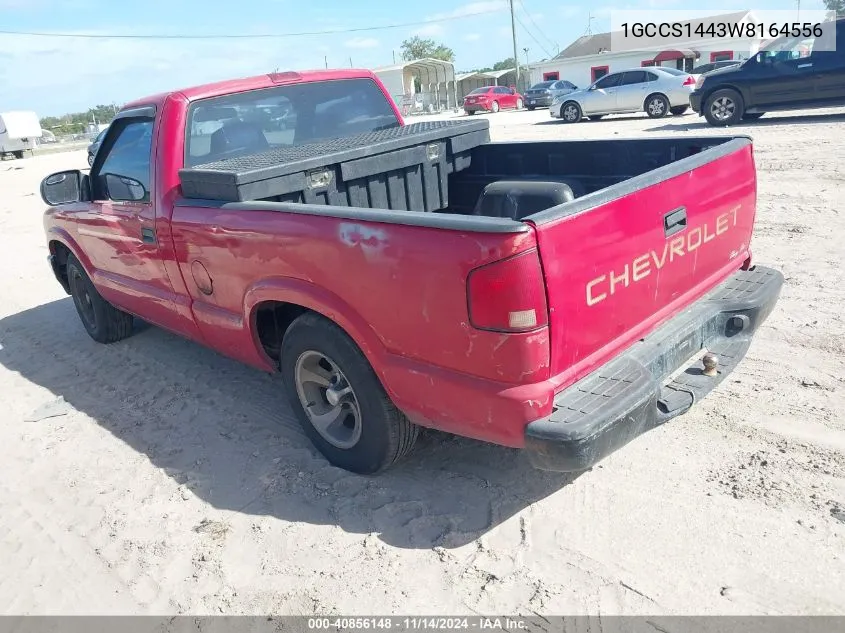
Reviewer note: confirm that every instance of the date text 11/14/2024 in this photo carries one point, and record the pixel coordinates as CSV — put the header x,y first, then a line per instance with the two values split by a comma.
x,y
475,623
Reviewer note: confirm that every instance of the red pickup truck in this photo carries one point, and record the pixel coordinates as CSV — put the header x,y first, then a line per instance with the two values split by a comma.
x,y
557,296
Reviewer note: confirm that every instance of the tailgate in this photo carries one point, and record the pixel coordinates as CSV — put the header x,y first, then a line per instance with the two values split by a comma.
x,y
623,260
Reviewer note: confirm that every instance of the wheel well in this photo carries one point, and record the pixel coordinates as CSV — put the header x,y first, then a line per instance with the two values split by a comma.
x,y
272,320
60,252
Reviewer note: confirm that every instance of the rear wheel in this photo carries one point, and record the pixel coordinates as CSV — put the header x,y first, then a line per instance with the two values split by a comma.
x,y
752,116
18,154
103,322
678,110
339,400
495,106
656,106
571,112
531,108
723,107
519,104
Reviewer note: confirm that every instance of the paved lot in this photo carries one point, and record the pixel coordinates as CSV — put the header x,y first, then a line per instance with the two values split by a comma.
x,y
172,480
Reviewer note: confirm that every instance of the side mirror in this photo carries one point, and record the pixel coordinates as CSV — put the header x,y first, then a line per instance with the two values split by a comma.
x,y
764,57
124,188
64,187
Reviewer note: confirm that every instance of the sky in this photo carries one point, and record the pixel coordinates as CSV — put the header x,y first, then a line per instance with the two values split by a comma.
x,y
56,75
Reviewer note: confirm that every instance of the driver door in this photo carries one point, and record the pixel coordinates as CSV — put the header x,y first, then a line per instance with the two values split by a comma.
x,y
601,98
118,234
787,79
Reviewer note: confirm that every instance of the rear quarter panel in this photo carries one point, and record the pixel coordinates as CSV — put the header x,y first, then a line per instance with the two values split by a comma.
x,y
399,291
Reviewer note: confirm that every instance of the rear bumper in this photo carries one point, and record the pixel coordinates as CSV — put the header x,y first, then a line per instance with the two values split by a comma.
x,y
538,102
636,391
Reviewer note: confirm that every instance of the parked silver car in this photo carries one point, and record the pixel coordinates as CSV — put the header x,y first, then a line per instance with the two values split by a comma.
x,y
657,91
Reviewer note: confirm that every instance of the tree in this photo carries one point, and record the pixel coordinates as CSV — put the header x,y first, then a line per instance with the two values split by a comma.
x,y
419,48
836,5
505,64
77,122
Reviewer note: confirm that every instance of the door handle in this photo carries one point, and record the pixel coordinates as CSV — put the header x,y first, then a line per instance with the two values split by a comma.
x,y
675,221
148,236
810,65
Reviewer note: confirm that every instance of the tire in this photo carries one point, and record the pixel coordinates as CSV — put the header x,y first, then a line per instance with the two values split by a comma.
x,y
103,322
752,116
18,154
596,117
519,104
570,112
678,110
531,108
724,107
495,107
656,106
90,160
373,433
470,112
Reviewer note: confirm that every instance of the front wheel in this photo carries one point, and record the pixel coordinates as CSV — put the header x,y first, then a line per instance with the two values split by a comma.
x,y
103,322
495,106
656,106
571,112
723,107
18,154
339,400
679,110
531,108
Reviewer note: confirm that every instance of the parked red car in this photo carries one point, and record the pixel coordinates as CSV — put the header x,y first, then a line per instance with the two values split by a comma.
x,y
492,99
555,296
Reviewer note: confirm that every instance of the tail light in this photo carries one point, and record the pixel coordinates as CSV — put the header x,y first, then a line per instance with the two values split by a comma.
x,y
689,81
508,295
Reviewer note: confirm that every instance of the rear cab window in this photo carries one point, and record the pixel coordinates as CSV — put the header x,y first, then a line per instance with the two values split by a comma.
x,y
258,120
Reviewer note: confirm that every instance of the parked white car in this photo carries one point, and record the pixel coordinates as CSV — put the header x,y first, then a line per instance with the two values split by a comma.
x,y
655,90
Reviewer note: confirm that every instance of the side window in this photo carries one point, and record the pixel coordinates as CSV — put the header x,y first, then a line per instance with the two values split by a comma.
x,y
650,76
633,77
609,81
128,156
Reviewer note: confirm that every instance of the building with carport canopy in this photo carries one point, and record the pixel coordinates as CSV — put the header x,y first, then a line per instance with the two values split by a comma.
x,y
421,85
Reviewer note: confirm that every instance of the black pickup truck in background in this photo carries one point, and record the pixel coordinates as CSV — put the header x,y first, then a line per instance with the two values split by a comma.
x,y
788,74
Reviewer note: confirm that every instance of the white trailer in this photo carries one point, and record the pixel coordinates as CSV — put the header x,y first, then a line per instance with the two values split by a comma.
x,y
19,132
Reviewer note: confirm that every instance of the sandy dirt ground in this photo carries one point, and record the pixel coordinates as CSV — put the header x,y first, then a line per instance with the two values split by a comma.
x,y
155,476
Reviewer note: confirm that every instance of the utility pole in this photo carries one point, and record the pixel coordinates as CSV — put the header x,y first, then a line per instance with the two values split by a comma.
x,y
515,49
326,60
